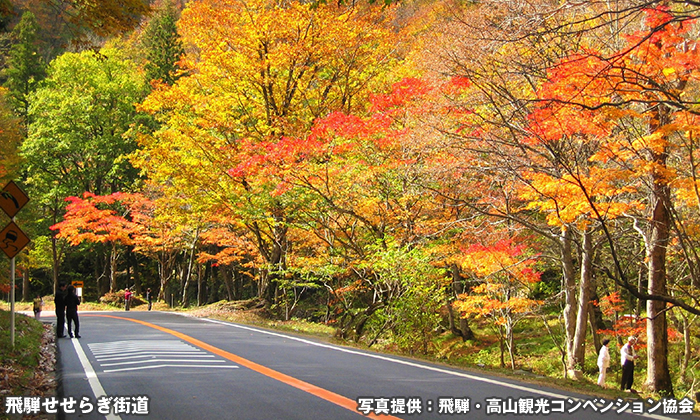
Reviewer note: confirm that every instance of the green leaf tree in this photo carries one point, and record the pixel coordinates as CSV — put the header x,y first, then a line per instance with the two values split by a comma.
x,y
26,66
76,139
163,45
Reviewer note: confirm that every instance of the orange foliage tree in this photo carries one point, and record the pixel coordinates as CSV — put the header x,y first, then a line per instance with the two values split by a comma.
x,y
504,275
359,182
259,72
596,136
97,219
162,232
640,101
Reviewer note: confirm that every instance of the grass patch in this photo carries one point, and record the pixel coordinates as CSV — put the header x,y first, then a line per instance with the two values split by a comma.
x,y
28,333
27,369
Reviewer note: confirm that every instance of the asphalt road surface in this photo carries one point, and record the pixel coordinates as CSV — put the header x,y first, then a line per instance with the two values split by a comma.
x,y
157,365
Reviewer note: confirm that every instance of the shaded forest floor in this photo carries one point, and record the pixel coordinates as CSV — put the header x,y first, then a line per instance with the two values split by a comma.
x,y
537,360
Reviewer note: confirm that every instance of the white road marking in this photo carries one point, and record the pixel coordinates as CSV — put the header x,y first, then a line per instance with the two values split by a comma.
x,y
151,355
120,356
167,365
94,382
416,365
136,362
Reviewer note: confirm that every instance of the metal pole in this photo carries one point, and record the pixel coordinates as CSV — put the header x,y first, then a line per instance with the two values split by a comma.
x,y
12,301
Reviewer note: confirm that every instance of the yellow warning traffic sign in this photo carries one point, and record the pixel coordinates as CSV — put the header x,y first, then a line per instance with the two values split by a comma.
x,y
12,240
77,283
12,199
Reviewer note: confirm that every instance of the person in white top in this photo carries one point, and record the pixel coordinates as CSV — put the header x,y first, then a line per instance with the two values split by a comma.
x,y
603,362
627,356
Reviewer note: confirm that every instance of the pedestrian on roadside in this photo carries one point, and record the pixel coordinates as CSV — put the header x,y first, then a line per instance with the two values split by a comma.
x,y
603,362
38,305
628,356
60,305
149,298
72,302
127,299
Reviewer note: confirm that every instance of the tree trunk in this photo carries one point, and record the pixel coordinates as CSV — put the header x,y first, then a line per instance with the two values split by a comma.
x,y
113,255
593,323
658,375
55,259
502,344
579,344
510,344
165,259
188,272
227,282
132,265
463,330
569,287
199,283
26,296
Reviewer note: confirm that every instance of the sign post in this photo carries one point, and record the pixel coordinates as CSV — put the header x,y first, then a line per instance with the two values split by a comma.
x,y
78,284
12,239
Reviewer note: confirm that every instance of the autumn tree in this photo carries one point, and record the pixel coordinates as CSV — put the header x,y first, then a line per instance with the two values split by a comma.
x,y
98,219
163,231
481,170
357,181
258,71
225,247
505,277
76,137
598,138
645,90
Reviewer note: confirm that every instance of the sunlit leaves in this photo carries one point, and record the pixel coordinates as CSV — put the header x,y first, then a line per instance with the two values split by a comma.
x,y
78,120
10,139
235,126
602,103
505,276
95,219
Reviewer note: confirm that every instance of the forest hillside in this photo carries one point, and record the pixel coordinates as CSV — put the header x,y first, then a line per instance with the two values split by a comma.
x,y
407,173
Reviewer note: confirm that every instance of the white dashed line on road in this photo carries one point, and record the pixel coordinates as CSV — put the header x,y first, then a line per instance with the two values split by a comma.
x,y
153,354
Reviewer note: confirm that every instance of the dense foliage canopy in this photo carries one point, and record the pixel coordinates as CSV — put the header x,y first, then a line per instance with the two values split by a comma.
x,y
395,170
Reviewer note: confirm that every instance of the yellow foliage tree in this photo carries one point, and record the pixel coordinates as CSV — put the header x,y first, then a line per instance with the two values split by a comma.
x,y
505,277
257,72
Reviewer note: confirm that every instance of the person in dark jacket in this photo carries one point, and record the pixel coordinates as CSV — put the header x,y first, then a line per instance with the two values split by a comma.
x,y
72,301
59,302
149,298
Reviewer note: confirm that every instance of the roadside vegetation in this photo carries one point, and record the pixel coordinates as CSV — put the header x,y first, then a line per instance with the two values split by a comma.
x,y
28,370
499,184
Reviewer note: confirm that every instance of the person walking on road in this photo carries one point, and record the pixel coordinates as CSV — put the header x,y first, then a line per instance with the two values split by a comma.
x,y
603,362
628,357
149,298
60,305
38,305
127,299
72,302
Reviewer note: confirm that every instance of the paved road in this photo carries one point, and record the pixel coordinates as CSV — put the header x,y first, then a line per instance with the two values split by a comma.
x,y
167,366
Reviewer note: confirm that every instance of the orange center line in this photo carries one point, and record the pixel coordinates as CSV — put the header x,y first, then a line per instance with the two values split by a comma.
x,y
322,393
